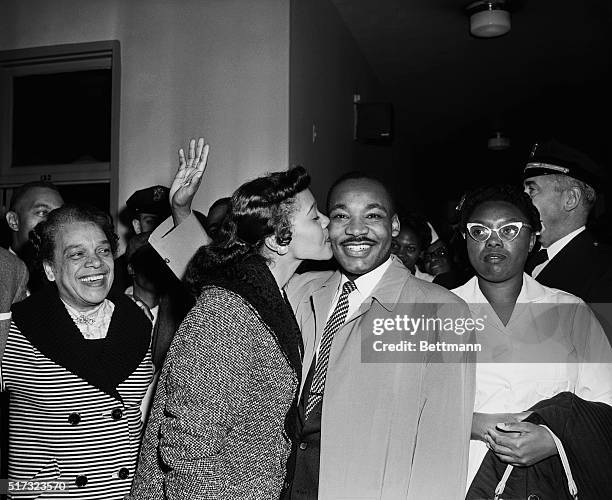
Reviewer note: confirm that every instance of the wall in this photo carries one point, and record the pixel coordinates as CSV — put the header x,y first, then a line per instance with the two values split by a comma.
x,y
217,68
326,69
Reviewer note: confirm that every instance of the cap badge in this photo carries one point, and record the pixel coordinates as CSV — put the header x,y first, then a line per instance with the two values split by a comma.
x,y
158,193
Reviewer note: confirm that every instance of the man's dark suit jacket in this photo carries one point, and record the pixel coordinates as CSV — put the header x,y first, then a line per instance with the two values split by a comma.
x,y
584,268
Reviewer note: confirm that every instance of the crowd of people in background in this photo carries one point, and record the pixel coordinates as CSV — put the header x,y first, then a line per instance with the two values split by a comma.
x,y
208,361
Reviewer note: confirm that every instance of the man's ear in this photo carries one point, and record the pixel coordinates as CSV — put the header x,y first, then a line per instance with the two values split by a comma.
x,y
573,196
395,225
49,271
273,245
12,219
136,225
532,240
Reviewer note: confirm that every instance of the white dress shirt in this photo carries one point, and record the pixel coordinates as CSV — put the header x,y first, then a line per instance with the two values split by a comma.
x,y
555,248
423,276
568,333
365,284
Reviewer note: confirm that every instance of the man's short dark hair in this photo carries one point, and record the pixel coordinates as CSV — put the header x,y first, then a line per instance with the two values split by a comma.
x,y
358,175
22,190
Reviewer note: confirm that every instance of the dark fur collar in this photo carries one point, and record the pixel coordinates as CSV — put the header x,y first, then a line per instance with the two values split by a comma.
x,y
253,281
43,320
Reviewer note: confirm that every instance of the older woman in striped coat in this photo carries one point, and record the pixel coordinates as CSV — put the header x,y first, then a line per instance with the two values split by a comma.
x,y
77,366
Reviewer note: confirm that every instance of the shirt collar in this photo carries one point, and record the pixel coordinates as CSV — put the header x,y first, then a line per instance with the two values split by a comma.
x,y
367,282
558,245
531,291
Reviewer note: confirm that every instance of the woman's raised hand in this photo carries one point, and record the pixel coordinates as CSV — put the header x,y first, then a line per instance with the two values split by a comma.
x,y
187,179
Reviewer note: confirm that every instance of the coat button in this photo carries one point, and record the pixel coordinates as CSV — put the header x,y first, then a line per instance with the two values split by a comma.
x,y
166,260
533,497
74,418
117,413
124,473
80,481
303,446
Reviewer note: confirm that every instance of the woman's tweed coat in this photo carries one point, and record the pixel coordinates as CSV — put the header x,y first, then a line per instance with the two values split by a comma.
x,y
217,428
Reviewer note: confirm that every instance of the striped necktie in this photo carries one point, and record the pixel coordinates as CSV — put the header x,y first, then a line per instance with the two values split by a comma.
x,y
334,323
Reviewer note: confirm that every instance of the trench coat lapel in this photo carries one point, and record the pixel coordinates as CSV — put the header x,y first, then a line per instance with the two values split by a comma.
x,y
386,292
320,301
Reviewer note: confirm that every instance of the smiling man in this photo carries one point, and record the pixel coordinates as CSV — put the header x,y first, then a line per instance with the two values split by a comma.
x,y
372,430
364,223
364,429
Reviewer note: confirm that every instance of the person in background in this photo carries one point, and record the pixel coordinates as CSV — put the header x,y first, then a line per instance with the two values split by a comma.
x,y
147,208
30,204
216,214
438,262
435,259
223,413
562,183
413,238
77,365
536,341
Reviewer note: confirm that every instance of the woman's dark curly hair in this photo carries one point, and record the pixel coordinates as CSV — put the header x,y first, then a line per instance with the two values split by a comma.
x,y
259,208
44,236
502,192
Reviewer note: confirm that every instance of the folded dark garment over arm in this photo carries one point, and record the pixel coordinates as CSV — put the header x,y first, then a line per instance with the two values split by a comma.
x,y
585,429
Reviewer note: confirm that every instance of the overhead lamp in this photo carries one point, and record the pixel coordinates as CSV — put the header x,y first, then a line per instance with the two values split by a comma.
x,y
498,142
489,18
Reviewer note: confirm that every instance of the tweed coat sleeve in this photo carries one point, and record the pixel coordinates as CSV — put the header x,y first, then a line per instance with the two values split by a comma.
x,y
199,402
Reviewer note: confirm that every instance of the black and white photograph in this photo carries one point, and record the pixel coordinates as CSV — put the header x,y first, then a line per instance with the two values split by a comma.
x,y
305,249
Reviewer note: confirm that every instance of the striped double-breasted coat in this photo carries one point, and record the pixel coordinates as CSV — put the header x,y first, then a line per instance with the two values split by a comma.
x,y
74,432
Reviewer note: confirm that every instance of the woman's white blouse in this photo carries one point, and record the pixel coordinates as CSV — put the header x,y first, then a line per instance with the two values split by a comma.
x,y
551,344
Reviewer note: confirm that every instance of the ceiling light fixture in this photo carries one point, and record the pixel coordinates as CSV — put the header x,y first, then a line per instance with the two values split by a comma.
x,y
489,18
498,142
